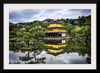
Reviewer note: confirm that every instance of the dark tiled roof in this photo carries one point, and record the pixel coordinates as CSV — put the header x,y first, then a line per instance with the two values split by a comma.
x,y
55,22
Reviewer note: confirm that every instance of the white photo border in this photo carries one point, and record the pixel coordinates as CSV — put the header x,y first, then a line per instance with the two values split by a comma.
x,y
6,64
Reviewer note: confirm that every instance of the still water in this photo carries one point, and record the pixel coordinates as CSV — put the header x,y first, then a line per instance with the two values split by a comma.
x,y
51,52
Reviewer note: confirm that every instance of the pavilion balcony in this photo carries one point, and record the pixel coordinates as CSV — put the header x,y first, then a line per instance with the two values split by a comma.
x,y
57,38
55,51
55,26
55,46
55,29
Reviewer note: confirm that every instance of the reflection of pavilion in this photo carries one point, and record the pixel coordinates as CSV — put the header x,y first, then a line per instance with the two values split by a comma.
x,y
57,48
55,38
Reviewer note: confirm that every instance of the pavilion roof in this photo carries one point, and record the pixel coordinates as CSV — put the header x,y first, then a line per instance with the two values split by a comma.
x,y
55,22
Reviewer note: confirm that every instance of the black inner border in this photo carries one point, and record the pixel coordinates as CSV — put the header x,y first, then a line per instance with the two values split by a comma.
x,y
45,2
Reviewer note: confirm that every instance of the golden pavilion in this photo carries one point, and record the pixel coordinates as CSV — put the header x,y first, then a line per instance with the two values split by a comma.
x,y
55,31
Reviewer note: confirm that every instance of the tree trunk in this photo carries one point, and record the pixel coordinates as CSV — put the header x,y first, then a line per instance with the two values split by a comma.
x,y
28,43
86,39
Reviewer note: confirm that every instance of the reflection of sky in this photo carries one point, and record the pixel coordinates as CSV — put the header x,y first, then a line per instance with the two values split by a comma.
x,y
14,57
71,58
29,15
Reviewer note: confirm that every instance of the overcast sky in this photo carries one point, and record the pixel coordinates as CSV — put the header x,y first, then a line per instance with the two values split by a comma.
x,y
29,15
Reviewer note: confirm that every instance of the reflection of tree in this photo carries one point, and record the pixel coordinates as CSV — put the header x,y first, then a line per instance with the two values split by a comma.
x,y
38,60
76,46
41,60
16,47
13,46
88,60
72,46
26,57
33,59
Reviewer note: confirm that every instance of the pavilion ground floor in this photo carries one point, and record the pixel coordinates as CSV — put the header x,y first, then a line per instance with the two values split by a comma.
x,y
56,34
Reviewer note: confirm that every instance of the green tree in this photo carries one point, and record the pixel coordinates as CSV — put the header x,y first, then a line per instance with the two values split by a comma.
x,y
12,30
27,28
20,32
69,27
38,33
74,31
27,37
82,32
76,22
88,22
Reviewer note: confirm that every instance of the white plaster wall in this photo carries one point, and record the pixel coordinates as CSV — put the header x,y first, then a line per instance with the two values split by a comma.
x,y
63,34
63,41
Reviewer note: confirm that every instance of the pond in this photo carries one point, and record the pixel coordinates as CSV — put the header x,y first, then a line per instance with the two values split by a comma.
x,y
51,52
